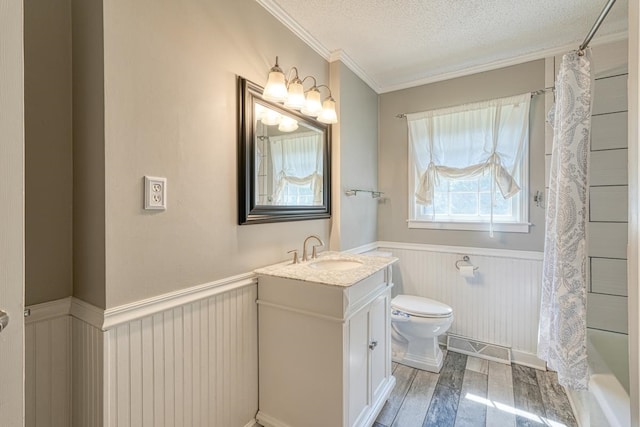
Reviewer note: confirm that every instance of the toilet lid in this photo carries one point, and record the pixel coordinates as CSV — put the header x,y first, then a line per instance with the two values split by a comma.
x,y
420,306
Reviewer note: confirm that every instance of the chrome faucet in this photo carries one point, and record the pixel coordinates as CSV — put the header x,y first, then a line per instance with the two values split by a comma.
x,y
314,253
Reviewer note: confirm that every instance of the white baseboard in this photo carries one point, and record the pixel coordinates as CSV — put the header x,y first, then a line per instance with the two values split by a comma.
x,y
252,423
267,420
528,359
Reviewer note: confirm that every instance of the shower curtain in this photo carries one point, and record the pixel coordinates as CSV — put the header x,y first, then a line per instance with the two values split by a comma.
x,y
562,340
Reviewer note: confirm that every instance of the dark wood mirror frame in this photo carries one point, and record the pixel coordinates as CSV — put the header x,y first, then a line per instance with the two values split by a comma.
x,y
250,94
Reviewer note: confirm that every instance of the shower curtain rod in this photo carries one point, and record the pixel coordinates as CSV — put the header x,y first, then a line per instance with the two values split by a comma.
x,y
596,26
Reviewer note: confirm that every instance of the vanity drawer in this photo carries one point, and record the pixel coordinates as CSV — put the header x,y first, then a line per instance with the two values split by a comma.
x,y
359,294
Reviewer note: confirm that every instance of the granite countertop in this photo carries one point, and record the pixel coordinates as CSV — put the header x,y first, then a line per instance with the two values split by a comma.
x,y
306,272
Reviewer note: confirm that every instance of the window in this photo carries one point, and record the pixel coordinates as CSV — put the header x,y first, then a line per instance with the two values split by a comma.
x,y
294,194
470,166
297,169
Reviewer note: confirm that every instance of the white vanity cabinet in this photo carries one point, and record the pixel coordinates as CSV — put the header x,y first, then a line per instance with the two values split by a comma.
x,y
368,349
324,351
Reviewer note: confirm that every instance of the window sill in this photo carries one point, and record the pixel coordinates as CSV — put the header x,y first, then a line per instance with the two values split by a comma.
x,y
520,227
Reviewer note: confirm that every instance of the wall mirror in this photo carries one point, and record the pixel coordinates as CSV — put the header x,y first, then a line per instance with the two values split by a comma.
x,y
283,161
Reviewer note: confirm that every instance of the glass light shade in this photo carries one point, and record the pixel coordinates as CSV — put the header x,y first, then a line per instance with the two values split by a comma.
x,y
295,97
328,114
287,124
270,117
276,89
312,106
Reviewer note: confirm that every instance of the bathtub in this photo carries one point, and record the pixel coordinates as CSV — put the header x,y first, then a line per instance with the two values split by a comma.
x,y
607,401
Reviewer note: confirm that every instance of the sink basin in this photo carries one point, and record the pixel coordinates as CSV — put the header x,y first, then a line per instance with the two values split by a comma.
x,y
335,264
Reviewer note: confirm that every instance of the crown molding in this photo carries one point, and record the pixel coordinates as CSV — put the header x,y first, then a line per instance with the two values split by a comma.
x,y
341,55
540,54
279,13
274,9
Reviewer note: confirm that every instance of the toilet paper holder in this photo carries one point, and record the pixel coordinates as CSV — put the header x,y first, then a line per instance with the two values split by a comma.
x,y
464,259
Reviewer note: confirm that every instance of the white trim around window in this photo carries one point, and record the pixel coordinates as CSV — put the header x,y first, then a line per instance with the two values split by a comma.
x,y
470,226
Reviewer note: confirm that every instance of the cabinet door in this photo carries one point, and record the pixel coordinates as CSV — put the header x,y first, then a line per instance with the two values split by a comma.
x,y
378,343
358,365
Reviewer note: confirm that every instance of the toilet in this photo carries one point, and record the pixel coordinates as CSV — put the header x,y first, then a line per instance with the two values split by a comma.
x,y
417,323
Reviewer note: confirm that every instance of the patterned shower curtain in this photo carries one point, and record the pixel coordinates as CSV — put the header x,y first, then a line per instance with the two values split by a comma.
x,y
562,339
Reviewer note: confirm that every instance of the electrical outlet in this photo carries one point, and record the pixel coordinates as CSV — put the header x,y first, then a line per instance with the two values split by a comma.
x,y
155,193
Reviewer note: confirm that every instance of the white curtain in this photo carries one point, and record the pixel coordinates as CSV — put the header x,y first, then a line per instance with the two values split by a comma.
x,y
562,340
470,140
297,159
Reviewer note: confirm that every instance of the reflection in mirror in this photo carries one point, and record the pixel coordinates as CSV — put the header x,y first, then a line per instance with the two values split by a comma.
x,y
288,160
283,161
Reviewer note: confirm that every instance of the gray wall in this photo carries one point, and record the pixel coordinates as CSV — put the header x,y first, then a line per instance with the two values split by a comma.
x,y
88,153
358,150
48,150
392,160
119,90
170,110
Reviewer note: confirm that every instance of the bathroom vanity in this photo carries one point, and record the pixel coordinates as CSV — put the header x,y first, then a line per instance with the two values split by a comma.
x,y
324,341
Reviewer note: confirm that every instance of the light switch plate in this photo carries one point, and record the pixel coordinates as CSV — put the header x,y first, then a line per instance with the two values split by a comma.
x,y
155,193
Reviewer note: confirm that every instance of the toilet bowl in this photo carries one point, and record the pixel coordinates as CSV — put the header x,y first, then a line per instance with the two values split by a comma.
x,y
417,323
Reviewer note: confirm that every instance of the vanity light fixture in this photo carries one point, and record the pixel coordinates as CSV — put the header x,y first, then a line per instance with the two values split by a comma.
x,y
291,93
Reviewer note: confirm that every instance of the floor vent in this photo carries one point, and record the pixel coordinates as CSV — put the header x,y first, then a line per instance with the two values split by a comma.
x,y
479,349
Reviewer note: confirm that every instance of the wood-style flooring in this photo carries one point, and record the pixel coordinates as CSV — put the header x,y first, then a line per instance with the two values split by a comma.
x,y
472,392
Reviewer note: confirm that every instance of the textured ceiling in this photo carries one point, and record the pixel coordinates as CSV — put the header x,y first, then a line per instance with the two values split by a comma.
x,y
394,44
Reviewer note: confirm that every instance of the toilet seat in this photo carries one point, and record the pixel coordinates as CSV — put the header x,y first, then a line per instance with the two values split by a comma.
x,y
421,307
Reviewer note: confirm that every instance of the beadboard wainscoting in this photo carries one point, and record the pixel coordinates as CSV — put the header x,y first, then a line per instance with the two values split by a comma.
x,y
195,364
499,305
188,358
87,344
48,365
